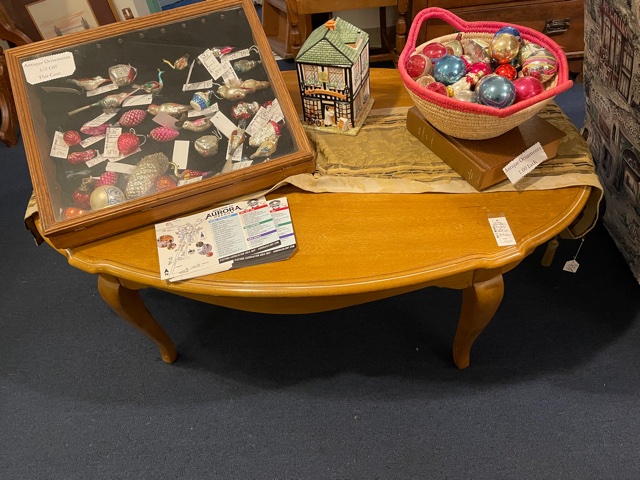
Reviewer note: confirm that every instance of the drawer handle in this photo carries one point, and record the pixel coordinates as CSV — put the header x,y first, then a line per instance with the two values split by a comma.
x,y
554,27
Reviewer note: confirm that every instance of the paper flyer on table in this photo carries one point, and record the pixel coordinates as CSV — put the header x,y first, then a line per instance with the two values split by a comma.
x,y
212,241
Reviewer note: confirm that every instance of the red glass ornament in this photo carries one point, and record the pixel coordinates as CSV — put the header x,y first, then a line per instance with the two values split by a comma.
x,y
480,67
73,212
163,134
164,183
507,71
434,50
128,143
438,88
418,65
79,157
107,178
132,118
527,87
71,138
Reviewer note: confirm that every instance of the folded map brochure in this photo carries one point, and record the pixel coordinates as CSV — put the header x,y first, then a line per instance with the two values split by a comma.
x,y
232,236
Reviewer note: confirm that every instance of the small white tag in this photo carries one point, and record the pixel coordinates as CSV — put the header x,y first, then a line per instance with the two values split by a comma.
x,y
165,120
237,155
181,153
205,112
47,68
275,111
189,180
91,140
524,163
111,142
100,119
120,167
223,124
571,266
103,89
95,161
211,63
242,164
206,85
136,100
59,149
260,119
245,52
502,231
228,72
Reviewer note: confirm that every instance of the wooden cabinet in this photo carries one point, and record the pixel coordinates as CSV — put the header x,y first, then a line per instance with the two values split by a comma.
x,y
563,20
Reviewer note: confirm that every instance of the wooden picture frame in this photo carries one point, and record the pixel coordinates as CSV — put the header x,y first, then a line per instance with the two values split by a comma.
x,y
130,9
50,104
55,18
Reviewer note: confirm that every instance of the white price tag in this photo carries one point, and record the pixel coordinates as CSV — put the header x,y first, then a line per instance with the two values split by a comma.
x,y
100,119
571,266
275,111
189,180
180,153
87,142
205,112
136,100
242,164
103,89
206,85
59,149
260,119
237,155
120,167
517,168
211,63
228,73
165,120
502,231
111,142
229,57
47,68
223,124
95,161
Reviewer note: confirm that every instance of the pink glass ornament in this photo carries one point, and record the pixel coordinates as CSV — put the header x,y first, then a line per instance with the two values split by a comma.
x,y
527,87
438,87
434,50
479,67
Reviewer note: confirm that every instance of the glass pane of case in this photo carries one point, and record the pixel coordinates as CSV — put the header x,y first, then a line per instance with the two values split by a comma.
x,y
131,115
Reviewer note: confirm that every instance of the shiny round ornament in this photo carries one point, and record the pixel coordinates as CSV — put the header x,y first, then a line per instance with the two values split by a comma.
x,y
105,196
541,65
206,146
164,183
418,65
73,212
507,71
449,69
527,87
480,67
434,50
511,31
454,47
504,48
496,91
438,87
425,80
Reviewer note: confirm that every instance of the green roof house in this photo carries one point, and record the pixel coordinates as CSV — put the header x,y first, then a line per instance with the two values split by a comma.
x,y
333,74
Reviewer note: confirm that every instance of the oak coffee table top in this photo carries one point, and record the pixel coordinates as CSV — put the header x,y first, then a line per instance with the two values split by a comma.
x,y
353,248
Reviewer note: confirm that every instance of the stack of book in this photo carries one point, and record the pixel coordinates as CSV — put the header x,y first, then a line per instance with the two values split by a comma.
x,y
237,235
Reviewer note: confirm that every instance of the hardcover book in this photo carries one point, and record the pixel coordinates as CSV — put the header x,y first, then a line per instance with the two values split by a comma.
x,y
480,162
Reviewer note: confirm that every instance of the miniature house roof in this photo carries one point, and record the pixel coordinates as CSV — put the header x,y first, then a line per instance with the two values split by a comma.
x,y
337,42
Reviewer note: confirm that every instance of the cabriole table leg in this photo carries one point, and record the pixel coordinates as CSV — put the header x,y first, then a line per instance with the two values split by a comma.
x,y
128,304
480,302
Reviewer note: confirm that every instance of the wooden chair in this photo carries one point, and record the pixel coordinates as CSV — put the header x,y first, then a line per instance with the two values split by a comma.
x,y
390,50
8,115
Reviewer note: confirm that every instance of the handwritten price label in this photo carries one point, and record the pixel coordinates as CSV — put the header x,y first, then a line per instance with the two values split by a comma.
x,y
502,231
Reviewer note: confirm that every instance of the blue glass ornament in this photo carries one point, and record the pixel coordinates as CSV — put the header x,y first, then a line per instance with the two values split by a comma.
x,y
496,91
511,30
449,69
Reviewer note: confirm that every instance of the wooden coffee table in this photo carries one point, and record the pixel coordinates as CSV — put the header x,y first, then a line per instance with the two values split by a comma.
x,y
350,254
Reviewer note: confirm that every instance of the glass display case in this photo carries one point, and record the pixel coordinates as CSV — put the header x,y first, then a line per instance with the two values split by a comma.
x,y
138,121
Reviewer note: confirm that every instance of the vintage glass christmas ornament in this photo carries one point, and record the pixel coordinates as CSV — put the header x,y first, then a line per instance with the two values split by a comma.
x,y
541,65
425,80
164,183
454,47
201,100
206,146
527,49
434,50
496,91
91,130
110,102
270,131
244,65
81,195
190,174
128,142
527,87
465,83
170,108
245,110
107,178
507,71
480,67
438,87
237,137
198,125
88,84
504,48
122,75
180,64
79,157
71,138
476,49
254,85
449,69
153,86
218,52
511,30
231,91
266,149
418,65
73,212
144,175
106,196
163,134
132,118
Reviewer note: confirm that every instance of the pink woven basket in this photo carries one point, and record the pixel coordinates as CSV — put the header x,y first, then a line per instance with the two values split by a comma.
x,y
473,121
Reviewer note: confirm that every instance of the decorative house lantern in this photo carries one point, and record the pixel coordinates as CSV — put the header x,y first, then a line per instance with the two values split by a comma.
x,y
333,73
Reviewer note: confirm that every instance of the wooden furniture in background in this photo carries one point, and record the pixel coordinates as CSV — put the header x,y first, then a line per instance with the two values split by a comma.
x,y
348,254
8,115
561,20
287,23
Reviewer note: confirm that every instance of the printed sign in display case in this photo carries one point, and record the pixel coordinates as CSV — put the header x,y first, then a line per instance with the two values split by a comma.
x,y
139,121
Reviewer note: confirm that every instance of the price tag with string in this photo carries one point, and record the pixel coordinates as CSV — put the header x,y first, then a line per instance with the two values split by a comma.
x,y
572,265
